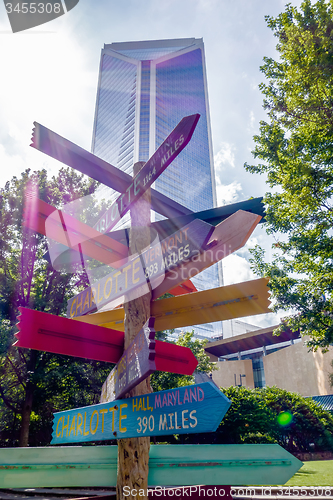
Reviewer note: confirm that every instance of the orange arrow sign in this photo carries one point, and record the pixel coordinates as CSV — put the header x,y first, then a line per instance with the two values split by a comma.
x,y
219,304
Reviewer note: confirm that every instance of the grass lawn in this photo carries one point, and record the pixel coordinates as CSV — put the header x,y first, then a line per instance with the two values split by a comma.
x,y
317,473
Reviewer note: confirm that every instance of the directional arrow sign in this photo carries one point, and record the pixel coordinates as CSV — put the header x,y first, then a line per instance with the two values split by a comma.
x,y
70,154
137,363
228,236
235,464
151,266
155,166
183,289
213,216
61,227
192,409
179,465
46,332
219,304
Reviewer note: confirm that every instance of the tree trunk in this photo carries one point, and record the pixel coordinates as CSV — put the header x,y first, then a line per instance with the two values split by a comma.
x,y
26,413
133,453
27,404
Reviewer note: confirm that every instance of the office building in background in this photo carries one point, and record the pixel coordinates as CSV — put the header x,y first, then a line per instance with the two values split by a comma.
x,y
145,88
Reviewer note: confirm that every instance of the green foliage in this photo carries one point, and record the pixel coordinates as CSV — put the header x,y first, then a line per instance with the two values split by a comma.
x,y
247,415
35,384
295,147
162,380
253,417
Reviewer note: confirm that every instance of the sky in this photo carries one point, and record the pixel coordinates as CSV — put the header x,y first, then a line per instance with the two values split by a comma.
x,y
49,74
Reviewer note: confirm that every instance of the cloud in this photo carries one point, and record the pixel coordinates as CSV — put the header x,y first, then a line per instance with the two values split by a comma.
x,y
225,157
45,79
252,120
227,193
15,164
236,269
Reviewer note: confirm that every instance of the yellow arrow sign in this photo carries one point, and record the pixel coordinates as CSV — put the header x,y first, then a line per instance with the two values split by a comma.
x,y
219,304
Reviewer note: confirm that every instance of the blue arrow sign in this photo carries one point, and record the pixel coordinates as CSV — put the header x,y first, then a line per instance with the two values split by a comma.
x,y
192,409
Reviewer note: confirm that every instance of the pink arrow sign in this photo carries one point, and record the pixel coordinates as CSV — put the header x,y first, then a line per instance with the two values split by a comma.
x,y
50,333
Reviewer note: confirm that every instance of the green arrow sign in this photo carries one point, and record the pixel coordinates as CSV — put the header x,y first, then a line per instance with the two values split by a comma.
x,y
219,464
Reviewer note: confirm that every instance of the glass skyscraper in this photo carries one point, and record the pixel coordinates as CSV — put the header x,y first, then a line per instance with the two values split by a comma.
x,y
145,88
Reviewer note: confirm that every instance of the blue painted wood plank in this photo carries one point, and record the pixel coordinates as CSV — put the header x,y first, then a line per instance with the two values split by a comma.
x,y
192,409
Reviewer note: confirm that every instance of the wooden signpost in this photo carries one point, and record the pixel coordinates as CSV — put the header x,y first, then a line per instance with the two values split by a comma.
x,y
46,332
136,364
151,265
192,409
167,265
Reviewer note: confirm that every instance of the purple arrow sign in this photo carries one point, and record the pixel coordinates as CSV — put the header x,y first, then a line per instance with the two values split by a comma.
x,y
52,144
161,159
137,362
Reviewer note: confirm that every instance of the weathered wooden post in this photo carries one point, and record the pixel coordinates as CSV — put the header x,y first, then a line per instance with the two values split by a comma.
x,y
133,453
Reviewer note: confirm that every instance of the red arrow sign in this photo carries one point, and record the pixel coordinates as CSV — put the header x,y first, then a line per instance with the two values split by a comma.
x,y
46,332
161,159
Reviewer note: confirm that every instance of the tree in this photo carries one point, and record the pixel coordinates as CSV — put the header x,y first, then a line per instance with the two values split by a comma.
x,y
296,149
34,384
161,381
272,415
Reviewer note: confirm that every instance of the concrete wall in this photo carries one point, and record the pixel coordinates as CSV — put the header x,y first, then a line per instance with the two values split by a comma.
x,y
295,369
225,375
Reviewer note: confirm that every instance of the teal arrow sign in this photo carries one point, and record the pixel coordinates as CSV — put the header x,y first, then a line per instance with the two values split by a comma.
x,y
192,409
213,464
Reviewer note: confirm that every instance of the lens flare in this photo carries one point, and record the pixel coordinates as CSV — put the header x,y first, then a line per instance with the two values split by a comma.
x,y
284,418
